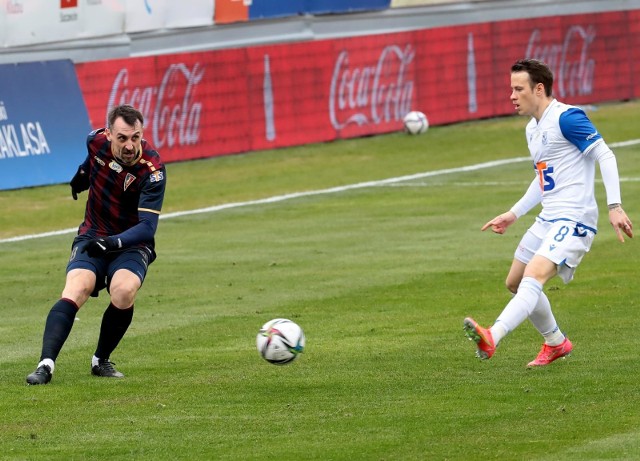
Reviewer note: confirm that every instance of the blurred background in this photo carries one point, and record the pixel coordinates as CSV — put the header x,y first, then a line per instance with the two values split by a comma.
x,y
219,77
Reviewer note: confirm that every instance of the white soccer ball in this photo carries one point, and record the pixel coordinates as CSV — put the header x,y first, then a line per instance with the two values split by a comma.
x,y
415,122
280,341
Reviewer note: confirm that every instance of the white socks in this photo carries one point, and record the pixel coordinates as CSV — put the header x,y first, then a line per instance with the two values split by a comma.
x,y
529,302
544,321
498,331
555,338
48,362
519,308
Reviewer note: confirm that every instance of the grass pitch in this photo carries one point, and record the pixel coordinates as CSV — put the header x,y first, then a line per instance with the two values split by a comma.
x,y
380,278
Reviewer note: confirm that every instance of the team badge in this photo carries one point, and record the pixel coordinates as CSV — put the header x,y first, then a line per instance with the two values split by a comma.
x,y
156,176
544,138
115,166
128,180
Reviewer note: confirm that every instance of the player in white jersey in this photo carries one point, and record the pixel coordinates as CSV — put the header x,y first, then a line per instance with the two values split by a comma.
x,y
565,147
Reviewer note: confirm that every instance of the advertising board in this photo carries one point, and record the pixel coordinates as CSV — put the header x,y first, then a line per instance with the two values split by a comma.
x,y
43,124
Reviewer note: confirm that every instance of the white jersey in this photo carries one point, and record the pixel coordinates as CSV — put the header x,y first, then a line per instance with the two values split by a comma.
x,y
559,145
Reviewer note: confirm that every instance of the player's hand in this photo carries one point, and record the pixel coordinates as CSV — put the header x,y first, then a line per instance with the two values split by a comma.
x,y
97,248
620,222
79,183
500,223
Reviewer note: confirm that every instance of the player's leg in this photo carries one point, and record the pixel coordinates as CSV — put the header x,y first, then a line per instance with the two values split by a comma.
x,y
556,344
487,339
500,328
80,283
544,321
60,320
567,245
77,289
516,272
129,271
537,272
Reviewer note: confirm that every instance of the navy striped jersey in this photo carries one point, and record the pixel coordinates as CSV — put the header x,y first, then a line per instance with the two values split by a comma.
x,y
119,192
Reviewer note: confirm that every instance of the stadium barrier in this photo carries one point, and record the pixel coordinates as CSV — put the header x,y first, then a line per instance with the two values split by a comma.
x,y
227,11
43,124
237,100
24,23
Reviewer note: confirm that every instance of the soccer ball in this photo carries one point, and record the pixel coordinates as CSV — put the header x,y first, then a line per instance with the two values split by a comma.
x,y
280,341
415,122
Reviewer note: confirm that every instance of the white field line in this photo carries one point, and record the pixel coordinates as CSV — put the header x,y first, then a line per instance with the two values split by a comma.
x,y
484,183
331,190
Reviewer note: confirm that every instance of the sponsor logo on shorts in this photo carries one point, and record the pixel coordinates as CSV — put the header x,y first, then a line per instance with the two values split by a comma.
x,y
580,231
145,258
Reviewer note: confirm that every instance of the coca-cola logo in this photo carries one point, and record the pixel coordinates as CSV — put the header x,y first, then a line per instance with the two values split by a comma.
x,y
570,62
371,94
169,108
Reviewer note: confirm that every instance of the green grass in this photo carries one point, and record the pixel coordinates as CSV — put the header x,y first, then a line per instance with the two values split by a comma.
x,y
380,279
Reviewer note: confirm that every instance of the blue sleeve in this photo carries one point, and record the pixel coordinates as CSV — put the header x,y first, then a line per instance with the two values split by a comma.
x,y
578,129
141,232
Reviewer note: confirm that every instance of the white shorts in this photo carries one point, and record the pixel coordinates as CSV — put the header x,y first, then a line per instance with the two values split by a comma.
x,y
563,242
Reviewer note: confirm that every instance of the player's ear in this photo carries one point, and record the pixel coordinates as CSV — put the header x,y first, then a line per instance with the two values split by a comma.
x,y
107,133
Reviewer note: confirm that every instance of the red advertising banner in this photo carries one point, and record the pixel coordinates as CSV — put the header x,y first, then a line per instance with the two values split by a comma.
x,y
222,102
634,50
588,53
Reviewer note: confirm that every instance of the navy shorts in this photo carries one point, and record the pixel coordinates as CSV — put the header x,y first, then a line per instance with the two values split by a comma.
x,y
134,259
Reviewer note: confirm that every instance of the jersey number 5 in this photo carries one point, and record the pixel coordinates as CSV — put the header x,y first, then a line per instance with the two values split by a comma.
x,y
544,173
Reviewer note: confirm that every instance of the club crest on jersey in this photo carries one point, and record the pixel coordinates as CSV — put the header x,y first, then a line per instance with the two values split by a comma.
x,y
544,138
156,176
115,166
128,180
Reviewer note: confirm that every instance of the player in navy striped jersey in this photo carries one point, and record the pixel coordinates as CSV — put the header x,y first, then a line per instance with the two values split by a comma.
x,y
125,179
565,147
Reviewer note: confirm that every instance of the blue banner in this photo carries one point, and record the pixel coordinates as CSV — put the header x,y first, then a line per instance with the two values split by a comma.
x,y
43,124
260,9
342,6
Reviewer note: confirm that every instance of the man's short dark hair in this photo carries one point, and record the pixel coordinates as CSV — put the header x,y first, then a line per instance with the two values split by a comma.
x,y
538,72
128,113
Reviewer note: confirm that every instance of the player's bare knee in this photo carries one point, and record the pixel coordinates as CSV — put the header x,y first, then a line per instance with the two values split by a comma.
x,y
123,295
78,290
